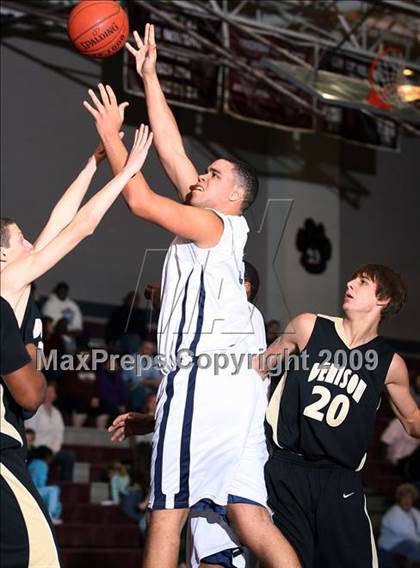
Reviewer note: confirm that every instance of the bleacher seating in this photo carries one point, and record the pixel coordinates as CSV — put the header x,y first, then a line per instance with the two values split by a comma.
x,y
93,534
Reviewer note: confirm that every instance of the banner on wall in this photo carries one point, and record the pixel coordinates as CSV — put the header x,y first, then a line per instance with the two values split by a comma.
x,y
187,76
357,127
255,101
193,78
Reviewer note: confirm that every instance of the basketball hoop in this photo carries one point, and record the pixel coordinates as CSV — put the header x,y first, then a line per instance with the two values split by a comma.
x,y
386,75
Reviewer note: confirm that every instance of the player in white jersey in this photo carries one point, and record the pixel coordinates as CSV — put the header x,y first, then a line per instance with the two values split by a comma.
x,y
202,454
212,541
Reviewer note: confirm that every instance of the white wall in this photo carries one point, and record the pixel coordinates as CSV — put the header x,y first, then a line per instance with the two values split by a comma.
x,y
386,228
292,289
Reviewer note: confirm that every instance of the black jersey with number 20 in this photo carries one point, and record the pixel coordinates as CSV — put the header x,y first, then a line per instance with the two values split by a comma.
x,y
324,406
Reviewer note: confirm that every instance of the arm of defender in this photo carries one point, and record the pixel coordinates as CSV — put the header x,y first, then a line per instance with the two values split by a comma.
x,y
67,207
294,338
22,272
167,138
402,402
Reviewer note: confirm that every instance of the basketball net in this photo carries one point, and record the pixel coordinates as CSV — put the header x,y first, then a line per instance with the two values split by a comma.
x,y
389,86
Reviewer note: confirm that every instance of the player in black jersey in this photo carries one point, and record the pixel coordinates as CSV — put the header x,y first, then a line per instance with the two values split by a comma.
x,y
26,534
322,417
24,530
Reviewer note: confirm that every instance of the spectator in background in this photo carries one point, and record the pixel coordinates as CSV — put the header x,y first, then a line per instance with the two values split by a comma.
x,y
80,394
252,285
152,293
126,325
39,470
400,528
49,431
53,341
65,341
119,481
59,306
149,405
402,450
134,502
51,335
47,332
272,331
145,377
114,395
30,444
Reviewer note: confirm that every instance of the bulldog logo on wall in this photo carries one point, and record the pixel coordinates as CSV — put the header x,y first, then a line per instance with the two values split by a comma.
x,y
314,246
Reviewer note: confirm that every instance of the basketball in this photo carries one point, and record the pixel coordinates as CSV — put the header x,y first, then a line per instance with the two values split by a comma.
x,y
98,28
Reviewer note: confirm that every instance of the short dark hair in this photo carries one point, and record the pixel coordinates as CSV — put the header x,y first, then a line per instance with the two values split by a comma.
x,y
61,285
248,179
43,453
389,286
5,222
251,276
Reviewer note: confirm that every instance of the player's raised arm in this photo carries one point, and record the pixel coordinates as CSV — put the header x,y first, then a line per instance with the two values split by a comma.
x,y
167,138
23,271
196,224
403,404
68,205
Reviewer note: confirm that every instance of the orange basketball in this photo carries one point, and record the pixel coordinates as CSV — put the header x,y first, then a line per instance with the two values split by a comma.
x,y
98,28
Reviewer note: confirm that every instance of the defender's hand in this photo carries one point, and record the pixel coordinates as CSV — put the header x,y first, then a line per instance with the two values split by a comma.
x,y
142,141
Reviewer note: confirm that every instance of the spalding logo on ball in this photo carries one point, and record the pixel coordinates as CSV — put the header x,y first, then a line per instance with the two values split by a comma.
x,y
98,28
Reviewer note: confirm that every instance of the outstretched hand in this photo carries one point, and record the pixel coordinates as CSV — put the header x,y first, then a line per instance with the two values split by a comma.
x,y
131,424
108,114
142,141
145,54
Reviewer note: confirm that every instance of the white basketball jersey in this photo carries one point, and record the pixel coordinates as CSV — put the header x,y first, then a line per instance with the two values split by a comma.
x,y
209,533
257,340
204,306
